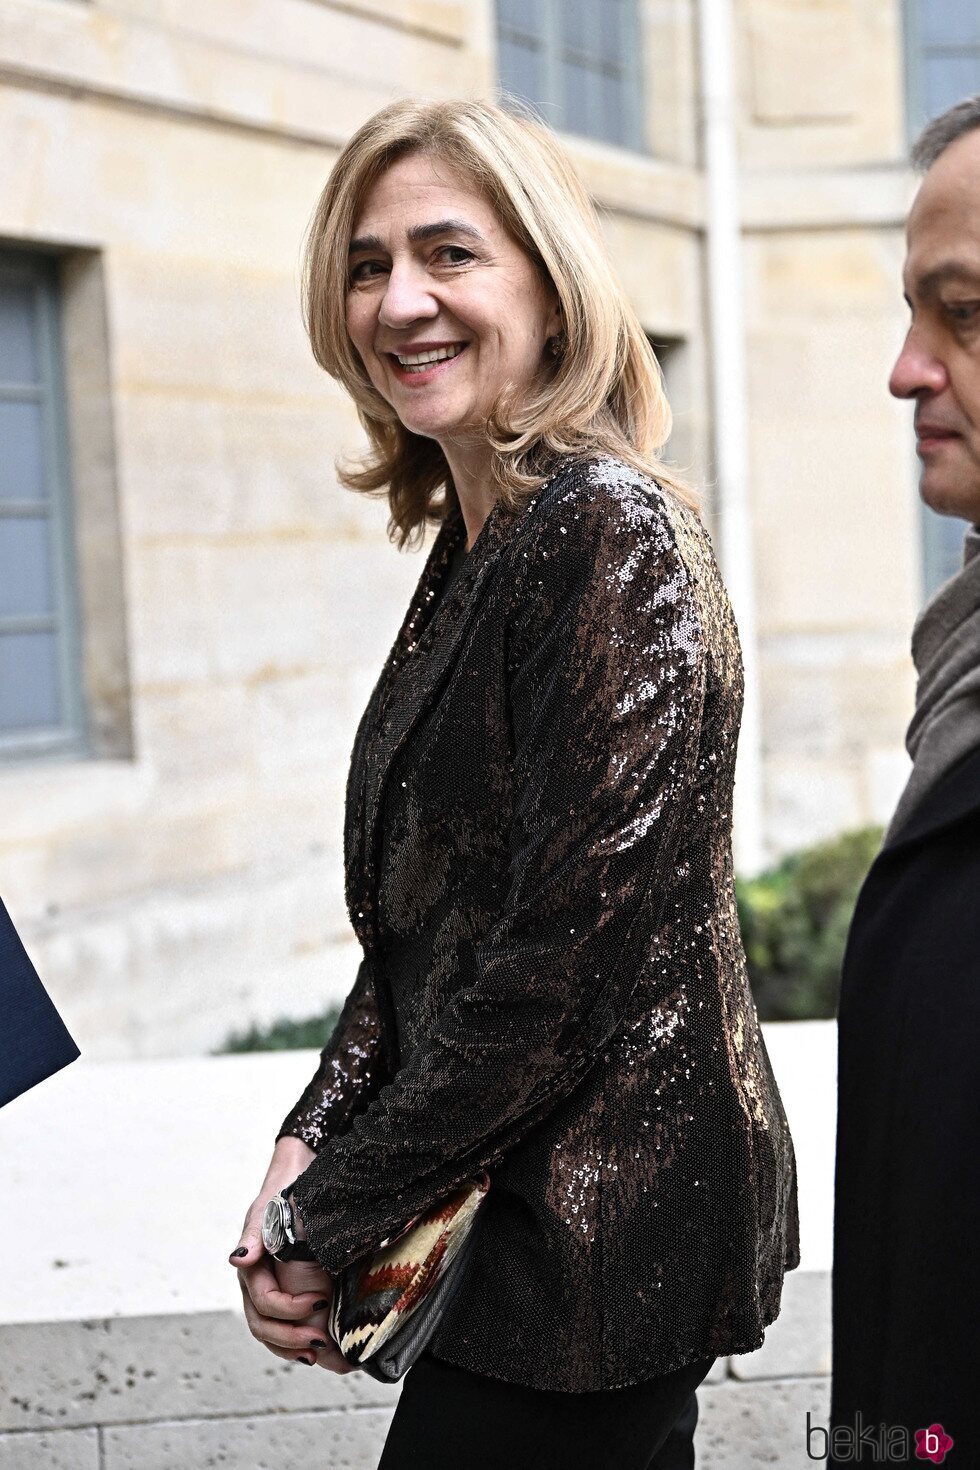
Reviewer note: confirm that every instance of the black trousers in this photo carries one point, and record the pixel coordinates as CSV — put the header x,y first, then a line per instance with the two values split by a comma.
x,y
448,1418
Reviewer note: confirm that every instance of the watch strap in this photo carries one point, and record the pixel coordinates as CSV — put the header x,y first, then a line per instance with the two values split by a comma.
x,y
300,1250
295,1250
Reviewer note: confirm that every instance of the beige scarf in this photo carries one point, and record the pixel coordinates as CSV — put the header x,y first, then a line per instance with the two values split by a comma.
x,y
946,652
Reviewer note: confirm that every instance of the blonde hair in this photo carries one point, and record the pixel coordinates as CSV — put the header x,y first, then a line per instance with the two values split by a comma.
x,y
603,392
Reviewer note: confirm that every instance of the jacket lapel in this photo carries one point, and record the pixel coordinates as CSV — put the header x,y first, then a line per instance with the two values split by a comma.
x,y
416,670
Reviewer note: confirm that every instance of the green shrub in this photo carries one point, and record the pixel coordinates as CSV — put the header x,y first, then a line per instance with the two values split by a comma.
x,y
284,1035
795,919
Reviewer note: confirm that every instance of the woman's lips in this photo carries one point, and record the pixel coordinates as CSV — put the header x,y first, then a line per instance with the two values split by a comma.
x,y
417,379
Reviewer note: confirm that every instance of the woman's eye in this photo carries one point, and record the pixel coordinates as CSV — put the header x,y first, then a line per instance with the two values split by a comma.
x,y
365,270
459,252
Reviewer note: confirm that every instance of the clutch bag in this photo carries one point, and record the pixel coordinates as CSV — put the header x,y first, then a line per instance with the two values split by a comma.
x,y
387,1305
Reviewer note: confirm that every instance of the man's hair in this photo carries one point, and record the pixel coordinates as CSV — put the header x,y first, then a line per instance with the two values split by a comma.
x,y
937,135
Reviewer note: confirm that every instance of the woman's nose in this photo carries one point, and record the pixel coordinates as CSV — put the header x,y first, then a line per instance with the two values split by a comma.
x,y
917,370
406,298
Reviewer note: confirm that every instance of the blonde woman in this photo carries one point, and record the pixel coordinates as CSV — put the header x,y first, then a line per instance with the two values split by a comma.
x,y
538,839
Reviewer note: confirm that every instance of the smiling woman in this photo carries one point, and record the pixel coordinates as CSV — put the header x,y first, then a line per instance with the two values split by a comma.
x,y
537,847
447,313
464,226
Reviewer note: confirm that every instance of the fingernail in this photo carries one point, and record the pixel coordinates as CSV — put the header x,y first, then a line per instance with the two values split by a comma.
x,y
318,1306
308,1362
241,1251
317,1342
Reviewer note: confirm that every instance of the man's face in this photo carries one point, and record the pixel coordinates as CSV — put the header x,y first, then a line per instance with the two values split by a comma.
x,y
939,364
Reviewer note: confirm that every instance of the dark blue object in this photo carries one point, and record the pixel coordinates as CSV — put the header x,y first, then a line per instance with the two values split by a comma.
x,y
34,1040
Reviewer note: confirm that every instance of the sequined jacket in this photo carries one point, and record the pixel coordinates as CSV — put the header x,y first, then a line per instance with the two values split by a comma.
x,y
539,869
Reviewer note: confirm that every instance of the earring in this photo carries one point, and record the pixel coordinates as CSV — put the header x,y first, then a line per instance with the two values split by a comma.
x,y
557,344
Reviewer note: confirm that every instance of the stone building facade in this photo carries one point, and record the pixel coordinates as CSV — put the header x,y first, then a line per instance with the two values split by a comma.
x,y
192,613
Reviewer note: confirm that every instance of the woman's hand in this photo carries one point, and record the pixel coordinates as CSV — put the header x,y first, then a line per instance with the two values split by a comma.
x,y
286,1302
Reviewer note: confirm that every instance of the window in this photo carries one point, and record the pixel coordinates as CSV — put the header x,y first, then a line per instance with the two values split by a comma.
x,y
942,549
40,683
942,51
671,357
577,62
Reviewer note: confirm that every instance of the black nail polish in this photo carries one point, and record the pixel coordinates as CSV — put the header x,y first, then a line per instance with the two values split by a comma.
x,y
241,1251
317,1342
318,1306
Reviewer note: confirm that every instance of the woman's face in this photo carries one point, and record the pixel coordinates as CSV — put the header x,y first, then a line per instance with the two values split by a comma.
x,y
432,270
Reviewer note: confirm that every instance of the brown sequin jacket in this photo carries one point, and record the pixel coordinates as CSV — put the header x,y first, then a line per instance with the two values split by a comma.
x,y
539,870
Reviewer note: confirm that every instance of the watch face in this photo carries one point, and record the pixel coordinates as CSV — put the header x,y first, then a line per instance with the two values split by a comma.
x,y
273,1228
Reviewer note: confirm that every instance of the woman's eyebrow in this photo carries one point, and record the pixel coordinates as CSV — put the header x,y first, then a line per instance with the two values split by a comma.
x,y
444,227
418,234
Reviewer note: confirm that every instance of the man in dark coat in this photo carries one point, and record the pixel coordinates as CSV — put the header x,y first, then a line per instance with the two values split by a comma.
x,y
906,1289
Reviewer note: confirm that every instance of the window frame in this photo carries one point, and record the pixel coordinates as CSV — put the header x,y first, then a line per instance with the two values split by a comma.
x,y
941,540
69,737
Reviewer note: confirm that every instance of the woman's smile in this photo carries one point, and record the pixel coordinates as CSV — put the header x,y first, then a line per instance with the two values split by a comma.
x,y
418,366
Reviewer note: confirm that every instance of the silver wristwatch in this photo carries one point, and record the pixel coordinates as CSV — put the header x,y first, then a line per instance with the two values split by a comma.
x,y
278,1231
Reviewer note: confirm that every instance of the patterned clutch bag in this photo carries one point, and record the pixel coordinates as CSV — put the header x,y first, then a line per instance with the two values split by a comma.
x,y
388,1304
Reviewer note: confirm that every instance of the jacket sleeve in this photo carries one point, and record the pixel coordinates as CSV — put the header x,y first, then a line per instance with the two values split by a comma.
x,y
606,687
352,1069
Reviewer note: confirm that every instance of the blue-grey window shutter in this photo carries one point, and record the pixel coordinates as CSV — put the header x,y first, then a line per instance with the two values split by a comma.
x,y
40,693
577,62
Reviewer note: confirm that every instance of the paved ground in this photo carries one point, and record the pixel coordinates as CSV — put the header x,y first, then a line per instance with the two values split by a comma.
x,y
124,1184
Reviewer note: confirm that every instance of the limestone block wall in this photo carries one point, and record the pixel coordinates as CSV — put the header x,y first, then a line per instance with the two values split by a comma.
x,y
186,155
236,605
833,473
821,83
838,582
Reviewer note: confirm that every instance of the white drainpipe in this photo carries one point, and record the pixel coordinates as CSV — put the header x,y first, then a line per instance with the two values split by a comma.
x,y
730,400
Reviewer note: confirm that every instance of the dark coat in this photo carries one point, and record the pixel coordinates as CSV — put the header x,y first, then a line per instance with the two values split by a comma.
x,y
539,870
906,1287
34,1041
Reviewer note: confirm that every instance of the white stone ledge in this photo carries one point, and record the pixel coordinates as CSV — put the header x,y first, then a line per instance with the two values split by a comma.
x,y
142,1369
124,1336
195,1391
342,1441
139,1174
76,1375
798,1342
742,1426
61,1449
